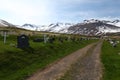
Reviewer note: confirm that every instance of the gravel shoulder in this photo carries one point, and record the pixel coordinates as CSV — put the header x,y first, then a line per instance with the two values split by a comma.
x,y
57,69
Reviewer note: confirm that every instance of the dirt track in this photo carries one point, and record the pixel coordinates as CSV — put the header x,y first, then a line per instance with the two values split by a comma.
x,y
88,57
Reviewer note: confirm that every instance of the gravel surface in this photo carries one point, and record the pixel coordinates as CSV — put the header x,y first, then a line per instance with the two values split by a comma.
x,y
57,69
88,67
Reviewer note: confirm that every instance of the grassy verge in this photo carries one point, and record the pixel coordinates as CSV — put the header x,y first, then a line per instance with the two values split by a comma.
x,y
17,64
111,61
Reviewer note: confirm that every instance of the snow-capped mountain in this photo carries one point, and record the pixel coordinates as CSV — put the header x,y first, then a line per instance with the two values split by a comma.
x,y
95,27
87,27
55,27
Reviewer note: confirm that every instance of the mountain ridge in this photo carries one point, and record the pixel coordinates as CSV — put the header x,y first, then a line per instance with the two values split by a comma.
x,y
87,27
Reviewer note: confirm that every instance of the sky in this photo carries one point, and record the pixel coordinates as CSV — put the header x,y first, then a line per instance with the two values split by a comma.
x,y
42,12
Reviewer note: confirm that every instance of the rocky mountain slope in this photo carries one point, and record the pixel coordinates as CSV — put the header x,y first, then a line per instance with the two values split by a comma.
x,y
94,27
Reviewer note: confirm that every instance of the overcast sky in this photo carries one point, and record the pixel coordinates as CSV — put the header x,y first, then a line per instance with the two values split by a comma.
x,y
52,11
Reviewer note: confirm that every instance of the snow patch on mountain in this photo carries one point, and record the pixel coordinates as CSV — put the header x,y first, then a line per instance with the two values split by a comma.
x,y
116,24
105,29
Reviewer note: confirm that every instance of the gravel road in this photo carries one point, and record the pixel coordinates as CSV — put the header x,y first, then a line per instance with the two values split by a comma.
x,y
83,64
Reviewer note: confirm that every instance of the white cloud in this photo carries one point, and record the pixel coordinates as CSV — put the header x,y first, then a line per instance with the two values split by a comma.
x,y
27,10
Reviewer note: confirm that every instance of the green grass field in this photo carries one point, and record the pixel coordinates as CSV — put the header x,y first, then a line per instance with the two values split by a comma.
x,y
17,64
111,61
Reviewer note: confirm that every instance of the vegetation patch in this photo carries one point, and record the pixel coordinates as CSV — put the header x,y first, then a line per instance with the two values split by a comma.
x,y
111,61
